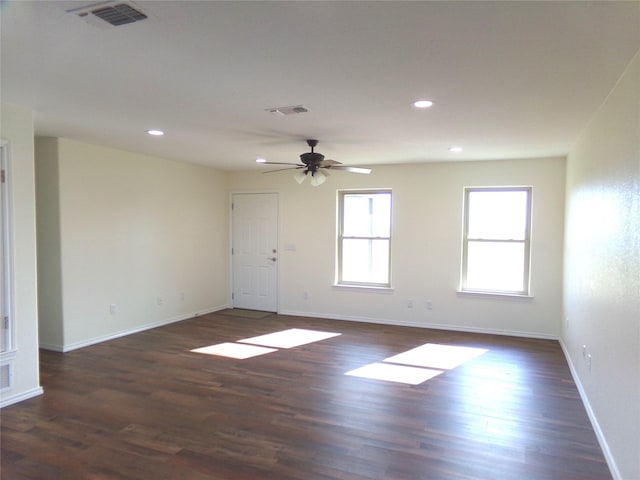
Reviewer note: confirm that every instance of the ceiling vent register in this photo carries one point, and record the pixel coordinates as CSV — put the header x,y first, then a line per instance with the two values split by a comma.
x,y
292,110
103,14
120,14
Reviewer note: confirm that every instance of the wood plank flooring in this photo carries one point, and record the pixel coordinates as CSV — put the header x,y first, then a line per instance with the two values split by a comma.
x,y
145,407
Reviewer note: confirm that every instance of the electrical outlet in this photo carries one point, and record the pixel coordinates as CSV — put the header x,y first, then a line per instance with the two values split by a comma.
x,y
429,305
305,295
409,303
113,309
159,301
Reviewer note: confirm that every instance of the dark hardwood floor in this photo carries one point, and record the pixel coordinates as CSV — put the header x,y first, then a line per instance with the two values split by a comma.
x,y
145,407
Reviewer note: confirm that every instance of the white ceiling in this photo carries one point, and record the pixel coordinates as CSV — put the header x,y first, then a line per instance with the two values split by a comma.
x,y
509,79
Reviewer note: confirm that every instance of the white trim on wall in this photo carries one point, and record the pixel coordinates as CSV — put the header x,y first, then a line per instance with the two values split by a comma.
x,y
10,400
9,280
592,417
438,326
124,333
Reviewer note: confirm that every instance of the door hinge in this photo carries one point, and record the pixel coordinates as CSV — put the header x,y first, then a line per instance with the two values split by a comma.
x,y
2,175
233,295
231,250
6,323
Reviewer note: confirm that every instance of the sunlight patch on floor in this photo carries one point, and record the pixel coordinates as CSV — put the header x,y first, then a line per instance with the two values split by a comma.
x,y
419,364
394,373
234,350
431,355
293,337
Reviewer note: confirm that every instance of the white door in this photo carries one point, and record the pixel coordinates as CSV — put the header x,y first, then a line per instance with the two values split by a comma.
x,y
255,251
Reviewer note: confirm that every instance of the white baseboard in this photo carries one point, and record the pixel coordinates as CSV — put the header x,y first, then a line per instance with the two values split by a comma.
x,y
51,347
93,341
5,401
592,416
458,328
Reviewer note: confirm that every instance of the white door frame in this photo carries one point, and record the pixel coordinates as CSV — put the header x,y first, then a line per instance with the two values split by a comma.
x,y
8,281
278,223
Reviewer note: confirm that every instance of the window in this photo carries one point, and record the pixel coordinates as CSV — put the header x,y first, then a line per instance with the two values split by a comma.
x,y
364,238
495,252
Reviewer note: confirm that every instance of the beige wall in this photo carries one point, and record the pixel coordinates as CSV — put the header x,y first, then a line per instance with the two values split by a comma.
x,y
50,325
426,246
602,271
17,131
145,234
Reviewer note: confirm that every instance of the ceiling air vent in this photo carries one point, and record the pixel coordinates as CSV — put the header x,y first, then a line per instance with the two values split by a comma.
x,y
293,110
120,14
109,13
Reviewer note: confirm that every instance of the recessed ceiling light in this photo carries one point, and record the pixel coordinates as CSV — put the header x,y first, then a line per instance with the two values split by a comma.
x,y
261,160
155,133
455,149
423,103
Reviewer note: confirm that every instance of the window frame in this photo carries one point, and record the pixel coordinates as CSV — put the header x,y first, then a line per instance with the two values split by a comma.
x,y
341,237
526,241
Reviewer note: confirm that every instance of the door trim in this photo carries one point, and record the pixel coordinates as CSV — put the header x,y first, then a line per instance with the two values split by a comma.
x,y
6,228
278,230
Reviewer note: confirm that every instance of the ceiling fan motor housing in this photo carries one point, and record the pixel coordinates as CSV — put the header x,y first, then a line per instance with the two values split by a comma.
x,y
311,159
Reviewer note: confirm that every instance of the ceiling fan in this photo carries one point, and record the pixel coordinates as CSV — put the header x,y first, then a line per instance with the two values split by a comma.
x,y
314,163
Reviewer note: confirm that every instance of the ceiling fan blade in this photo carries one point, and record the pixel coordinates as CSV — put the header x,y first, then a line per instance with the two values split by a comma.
x,y
328,162
281,169
281,163
350,169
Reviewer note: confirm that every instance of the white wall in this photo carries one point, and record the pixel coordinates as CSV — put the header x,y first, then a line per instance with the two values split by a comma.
x,y
145,234
426,246
17,130
602,271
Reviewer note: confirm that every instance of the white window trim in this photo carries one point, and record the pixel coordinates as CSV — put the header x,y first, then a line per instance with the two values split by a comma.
x,y
491,293
526,292
361,285
364,288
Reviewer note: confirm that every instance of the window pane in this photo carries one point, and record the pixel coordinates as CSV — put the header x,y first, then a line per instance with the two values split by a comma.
x,y
367,215
365,261
497,215
495,266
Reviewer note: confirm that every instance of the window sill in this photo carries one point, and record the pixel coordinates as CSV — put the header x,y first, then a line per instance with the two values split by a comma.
x,y
363,288
480,293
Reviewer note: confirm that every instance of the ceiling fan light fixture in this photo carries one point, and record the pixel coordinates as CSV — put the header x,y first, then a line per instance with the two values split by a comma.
x,y
455,149
261,160
300,176
155,132
318,178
